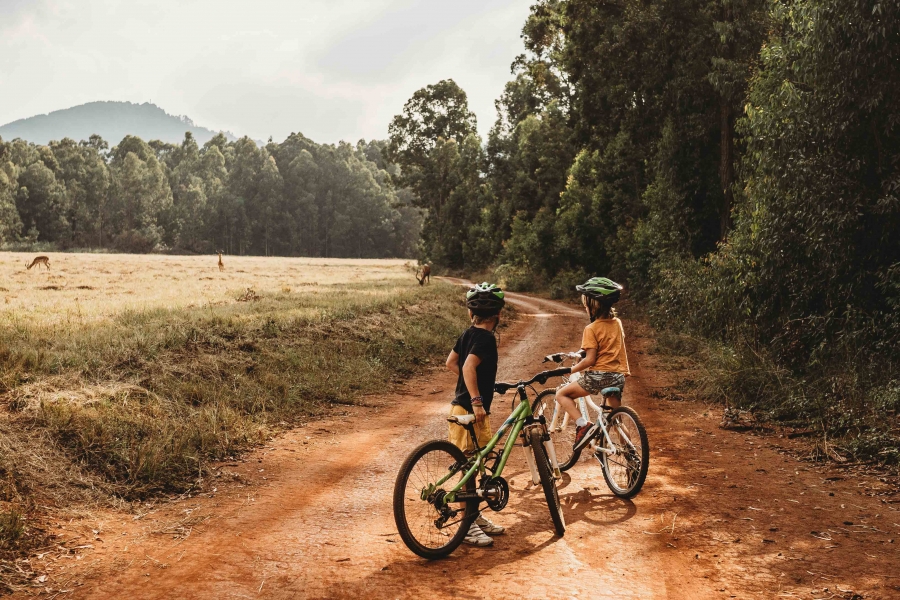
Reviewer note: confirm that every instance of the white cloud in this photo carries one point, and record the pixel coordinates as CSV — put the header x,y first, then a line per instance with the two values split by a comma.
x,y
331,69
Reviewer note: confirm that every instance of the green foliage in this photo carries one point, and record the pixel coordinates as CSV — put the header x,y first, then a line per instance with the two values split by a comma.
x,y
435,144
294,198
808,278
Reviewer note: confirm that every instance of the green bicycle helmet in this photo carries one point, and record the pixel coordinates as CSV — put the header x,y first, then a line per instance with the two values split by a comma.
x,y
485,299
601,288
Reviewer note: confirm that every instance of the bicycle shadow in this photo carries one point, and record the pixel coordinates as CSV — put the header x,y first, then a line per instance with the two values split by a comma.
x,y
596,509
581,505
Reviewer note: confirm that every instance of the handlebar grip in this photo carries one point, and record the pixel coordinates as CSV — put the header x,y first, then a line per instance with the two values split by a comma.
x,y
501,388
557,372
544,376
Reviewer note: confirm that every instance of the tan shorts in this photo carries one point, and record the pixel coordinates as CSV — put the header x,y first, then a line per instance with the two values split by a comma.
x,y
460,437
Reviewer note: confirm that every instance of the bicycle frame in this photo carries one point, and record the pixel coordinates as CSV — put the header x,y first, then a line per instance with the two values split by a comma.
x,y
515,423
584,403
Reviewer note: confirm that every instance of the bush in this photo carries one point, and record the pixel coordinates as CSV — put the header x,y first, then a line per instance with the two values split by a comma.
x,y
563,285
516,278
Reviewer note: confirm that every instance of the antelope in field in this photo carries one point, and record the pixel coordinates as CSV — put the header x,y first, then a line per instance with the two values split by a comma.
x,y
40,260
221,264
426,274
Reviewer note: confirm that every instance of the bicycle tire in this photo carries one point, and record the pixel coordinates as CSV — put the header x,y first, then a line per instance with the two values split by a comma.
x,y
536,441
418,536
563,438
634,475
540,405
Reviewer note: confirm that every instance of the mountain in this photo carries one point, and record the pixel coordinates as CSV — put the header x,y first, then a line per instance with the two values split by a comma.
x,y
111,120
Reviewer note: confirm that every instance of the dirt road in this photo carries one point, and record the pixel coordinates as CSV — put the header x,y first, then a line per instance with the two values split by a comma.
x,y
722,515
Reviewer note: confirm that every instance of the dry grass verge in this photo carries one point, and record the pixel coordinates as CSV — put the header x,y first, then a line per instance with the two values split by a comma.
x,y
143,400
117,405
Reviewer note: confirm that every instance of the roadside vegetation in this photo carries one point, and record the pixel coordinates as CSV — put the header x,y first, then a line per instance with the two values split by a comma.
x,y
734,163
130,403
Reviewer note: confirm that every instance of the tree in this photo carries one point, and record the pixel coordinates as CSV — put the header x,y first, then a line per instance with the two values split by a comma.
x,y
10,223
83,172
435,112
42,203
424,142
140,195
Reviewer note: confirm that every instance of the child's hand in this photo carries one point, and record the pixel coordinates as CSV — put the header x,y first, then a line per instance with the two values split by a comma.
x,y
480,413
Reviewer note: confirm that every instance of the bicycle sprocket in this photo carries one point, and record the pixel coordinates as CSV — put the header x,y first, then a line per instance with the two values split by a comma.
x,y
496,492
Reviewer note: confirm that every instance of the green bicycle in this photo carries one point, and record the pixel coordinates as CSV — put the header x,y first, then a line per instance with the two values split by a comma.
x,y
436,496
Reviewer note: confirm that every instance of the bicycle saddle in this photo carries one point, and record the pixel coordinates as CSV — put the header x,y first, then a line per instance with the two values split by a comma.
x,y
463,419
610,390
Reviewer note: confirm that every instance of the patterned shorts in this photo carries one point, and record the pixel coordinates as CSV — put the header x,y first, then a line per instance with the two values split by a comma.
x,y
594,381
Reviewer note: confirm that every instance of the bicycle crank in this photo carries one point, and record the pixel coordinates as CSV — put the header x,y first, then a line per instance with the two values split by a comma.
x,y
495,492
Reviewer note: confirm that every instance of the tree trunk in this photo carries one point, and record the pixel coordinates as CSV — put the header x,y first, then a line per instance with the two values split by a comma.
x,y
726,167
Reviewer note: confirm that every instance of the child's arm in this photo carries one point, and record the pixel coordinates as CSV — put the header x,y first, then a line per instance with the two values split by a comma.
x,y
470,377
590,357
624,350
453,362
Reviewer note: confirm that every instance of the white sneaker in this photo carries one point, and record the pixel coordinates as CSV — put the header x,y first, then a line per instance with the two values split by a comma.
x,y
487,526
476,537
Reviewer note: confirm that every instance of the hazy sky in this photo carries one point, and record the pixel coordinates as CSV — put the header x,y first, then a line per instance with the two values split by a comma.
x,y
331,69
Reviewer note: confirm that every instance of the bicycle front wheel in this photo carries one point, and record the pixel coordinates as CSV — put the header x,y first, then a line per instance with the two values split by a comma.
x,y
536,441
429,527
626,470
561,428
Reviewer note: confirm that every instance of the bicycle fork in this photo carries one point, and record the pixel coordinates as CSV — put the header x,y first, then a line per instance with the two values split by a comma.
x,y
551,454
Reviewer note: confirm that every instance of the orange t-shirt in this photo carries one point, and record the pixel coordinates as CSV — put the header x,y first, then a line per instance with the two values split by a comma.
x,y
608,337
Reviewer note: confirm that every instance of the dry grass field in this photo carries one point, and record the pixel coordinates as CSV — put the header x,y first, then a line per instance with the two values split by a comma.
x,y
81,288
121,376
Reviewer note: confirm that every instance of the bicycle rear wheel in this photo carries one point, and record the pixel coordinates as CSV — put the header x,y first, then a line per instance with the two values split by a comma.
x,y
626,470
427,527
536,441
563,435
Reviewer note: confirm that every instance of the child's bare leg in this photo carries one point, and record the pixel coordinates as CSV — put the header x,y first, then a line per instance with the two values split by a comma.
x,y
566,397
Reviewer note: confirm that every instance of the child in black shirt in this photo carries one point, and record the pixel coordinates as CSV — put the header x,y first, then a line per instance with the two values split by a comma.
x,y
476,351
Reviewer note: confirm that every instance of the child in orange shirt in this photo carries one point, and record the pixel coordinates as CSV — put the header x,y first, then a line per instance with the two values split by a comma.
x,y
605,363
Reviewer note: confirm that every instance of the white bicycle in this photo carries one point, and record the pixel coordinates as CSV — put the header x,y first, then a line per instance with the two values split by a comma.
x,y
618,440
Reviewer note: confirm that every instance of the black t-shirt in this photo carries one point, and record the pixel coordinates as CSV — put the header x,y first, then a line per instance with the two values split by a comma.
x,y
482,344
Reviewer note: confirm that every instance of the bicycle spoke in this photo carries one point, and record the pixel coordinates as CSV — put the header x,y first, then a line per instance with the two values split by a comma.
x,y
623,468
421,515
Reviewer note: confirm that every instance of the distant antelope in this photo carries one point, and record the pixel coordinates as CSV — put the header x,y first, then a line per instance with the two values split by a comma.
x,y
426,274
40,260
221,264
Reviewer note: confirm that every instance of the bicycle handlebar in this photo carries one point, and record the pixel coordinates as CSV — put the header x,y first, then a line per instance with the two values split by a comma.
x,y
561,356
542,377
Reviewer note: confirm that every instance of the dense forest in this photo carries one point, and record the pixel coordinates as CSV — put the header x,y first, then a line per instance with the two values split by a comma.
x,y
735,162
297,198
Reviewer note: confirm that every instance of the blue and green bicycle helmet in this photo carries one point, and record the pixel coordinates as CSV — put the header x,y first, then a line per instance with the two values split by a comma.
x,y
603,289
